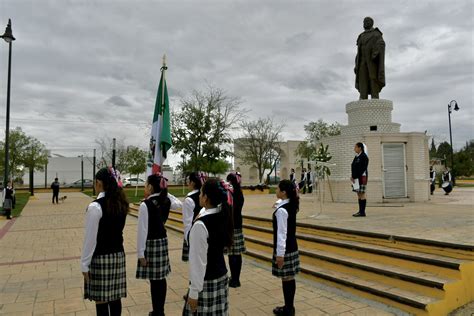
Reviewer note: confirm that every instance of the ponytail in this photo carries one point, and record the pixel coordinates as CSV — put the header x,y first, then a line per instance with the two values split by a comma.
x,y
160,185
116,202
220,195
291,191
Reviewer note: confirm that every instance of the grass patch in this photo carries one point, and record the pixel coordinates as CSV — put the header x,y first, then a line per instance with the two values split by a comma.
x,y
465,185
21,200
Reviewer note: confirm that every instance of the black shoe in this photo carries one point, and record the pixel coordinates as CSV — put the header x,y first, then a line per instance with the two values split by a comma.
x,y
358,214
234,284
282,311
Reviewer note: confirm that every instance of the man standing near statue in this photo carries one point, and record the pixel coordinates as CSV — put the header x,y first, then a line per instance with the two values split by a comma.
x,y
369,63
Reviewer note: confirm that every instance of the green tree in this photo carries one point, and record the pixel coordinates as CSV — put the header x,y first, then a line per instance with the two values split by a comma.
x,y
259,144
201,128
36,157
433,152
315,131
18,143
444,152
135,161
464,160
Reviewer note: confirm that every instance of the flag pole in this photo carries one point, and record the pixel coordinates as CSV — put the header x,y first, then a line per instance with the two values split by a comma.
x,y
163,70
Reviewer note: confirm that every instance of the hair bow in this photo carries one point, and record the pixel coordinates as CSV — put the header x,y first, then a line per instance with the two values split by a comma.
x,y
163,181
202,177
227,190
115,175
238,177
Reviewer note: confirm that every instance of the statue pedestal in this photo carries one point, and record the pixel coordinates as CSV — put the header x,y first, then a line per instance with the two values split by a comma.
x,y
373,115
398,162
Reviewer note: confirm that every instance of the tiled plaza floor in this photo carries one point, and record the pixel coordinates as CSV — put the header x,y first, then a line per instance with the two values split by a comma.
x,y
40,274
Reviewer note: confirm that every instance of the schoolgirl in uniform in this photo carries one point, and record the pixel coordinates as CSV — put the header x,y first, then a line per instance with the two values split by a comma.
x,y
103,257
238,246
359,175
211,232
286,260
191,208
292,175
152,241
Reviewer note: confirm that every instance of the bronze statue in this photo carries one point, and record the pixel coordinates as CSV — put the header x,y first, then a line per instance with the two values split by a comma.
x,y
369,63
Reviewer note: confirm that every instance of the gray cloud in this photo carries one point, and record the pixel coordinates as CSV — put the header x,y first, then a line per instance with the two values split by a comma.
x,y
291,60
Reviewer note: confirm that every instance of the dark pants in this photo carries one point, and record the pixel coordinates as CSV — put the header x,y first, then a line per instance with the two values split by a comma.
x,y
366,84
310,187
56,196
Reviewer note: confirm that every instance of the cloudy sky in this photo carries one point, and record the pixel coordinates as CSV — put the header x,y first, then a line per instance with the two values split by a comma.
x,y
80,63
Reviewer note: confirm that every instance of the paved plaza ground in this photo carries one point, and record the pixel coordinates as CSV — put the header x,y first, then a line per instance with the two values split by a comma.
x,y
40,273
444,218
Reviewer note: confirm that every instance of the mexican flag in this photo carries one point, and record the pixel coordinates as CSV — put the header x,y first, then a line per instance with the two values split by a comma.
x,y
160,140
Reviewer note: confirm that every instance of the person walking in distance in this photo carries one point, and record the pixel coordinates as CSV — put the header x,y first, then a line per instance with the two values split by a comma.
x,y
55,187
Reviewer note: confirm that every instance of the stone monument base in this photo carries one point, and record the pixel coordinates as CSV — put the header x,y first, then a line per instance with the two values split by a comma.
x,y
398,162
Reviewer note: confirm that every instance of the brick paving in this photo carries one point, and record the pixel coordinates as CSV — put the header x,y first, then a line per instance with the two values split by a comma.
x,y
443,218
40,274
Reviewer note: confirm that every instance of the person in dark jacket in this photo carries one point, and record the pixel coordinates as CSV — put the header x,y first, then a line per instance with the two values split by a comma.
x,y
8,197
55,187
359,175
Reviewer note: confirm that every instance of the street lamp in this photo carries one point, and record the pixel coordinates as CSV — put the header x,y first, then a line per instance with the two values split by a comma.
x,y
9,38
453,105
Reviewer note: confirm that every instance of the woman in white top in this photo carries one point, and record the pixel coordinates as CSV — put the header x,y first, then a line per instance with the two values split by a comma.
x,y
211,232
103,257
191,208
152,241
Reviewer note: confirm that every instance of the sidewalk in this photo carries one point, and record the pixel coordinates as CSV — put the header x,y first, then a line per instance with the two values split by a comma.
x,y
40,275
443,218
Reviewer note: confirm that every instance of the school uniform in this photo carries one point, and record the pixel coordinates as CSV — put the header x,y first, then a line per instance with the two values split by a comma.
x,y
284,240
191,210
103,254
152,240
433,181
309,179
292,177
359,171
8,196
238,245
302,184
207,269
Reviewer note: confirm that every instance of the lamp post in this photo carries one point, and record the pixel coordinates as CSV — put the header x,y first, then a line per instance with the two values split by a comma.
x,y
9,38
453,105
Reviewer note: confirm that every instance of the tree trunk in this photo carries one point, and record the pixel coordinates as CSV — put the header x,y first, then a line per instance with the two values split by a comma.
x,y
31,181
136,187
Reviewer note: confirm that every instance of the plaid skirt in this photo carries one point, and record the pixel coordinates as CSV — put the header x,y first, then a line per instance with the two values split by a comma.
x,y
107,278
238,246
291,265
7,204
156,254
213,299
185,252
362,188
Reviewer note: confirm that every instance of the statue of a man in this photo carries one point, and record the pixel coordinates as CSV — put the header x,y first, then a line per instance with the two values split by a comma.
x,y
369,63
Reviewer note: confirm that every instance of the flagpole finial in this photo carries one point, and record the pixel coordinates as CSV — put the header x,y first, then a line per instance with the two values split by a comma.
x,y
164,60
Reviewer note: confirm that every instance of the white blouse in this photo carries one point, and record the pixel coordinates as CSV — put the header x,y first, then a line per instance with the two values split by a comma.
x,y
282,223
198,253
188,213
142,228
93,216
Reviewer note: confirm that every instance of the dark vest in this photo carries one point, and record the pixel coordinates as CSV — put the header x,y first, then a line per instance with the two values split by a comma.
x,y
431,174
291,244
238,204
215,252
197,207
157,217
110,233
